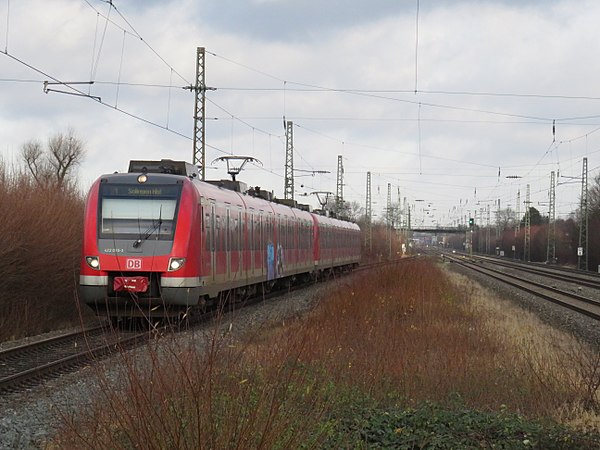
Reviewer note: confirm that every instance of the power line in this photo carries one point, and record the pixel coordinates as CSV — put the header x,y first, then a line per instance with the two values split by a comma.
x,y
403,91
78,92
134,33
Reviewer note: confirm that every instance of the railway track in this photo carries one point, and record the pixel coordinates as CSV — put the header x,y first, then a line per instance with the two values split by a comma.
x,y
588,279
584,305
30,364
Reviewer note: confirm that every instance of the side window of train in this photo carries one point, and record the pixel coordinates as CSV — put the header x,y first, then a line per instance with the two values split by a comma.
x,y
259,232
207,227
212,228
218,233
240,231
235,242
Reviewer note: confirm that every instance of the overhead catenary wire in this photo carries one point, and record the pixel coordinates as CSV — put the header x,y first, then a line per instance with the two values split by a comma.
x,y
78,92
7,25
133,33
417,47
96,63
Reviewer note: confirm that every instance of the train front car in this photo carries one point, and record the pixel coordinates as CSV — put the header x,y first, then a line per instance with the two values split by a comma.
x,y
140,241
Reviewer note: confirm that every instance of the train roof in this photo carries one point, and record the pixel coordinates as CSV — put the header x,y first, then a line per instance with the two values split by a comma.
x,y
232,192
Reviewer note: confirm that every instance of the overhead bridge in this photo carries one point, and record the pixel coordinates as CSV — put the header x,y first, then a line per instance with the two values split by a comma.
x,y
439,230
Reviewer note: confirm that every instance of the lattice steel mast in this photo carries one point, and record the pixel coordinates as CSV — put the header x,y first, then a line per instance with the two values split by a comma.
x,y
526,251
368,216
389,217
288,190
199,155
339,199
551,252
518,212
582,260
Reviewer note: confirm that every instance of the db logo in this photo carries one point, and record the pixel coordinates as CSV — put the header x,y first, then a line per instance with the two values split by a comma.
x,y
133,263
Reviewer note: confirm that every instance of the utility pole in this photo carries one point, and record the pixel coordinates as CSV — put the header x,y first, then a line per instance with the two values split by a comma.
x,y
399,224
526,252
518,212
551,253
406,210
288,190
389,218
199,156
340,186
408,232
582,251
369,214
487,234
498,231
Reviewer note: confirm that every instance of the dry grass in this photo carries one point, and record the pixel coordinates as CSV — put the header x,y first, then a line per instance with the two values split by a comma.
x,y
394,338
40,238
563,373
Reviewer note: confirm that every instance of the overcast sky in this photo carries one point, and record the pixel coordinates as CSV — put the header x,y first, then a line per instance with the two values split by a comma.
x,y
490,78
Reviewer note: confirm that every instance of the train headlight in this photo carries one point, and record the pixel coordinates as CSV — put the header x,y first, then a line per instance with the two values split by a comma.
x,y
176,264
93,262
142,178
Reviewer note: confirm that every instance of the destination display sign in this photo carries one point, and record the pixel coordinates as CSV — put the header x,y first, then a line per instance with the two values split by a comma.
x,y
115,190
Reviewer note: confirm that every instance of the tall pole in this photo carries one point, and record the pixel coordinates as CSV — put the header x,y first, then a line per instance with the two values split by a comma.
x,y
389,217
369,215
526,252
498,231
487,234
340,186
479,240
518,212
199,156
582,251
288,190
551,252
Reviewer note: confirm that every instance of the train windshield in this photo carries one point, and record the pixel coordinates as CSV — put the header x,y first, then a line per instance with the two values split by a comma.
x,y
138,212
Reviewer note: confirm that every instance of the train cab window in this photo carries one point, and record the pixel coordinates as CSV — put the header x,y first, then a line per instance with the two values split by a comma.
x,y
131,211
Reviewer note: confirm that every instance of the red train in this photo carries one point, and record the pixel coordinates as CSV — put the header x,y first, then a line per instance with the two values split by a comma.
x,y
158,241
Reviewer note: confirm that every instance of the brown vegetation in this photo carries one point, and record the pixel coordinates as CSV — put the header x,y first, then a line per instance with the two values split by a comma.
x,y
394,338
40,237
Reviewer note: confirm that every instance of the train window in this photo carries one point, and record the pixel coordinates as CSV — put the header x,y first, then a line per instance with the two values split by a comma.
x,y
235,242
240,228
229,233
128,212
218,234
208,233
260,232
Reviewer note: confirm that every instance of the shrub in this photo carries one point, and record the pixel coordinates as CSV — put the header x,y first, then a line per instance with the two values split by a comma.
x,y
40,237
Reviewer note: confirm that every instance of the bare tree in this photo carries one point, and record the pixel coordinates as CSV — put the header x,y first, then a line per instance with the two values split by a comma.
x,y
54,166
354,210
506,218
594,197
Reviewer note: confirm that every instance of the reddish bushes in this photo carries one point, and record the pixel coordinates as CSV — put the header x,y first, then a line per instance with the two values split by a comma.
x,y
40,236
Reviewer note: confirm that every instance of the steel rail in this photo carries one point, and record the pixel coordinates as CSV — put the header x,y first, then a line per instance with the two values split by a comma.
x,y
575,302
35,375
